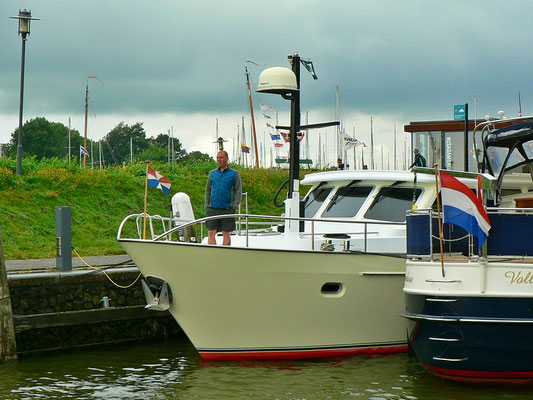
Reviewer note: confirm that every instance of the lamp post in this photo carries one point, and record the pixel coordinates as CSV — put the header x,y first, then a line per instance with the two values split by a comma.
x,y
24,18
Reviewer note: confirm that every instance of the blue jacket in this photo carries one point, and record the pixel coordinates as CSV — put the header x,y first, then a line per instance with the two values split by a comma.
x,y
223,189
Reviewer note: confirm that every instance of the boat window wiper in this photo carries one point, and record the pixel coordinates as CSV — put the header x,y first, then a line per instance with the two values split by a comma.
x,y
338,197
385,191
314,190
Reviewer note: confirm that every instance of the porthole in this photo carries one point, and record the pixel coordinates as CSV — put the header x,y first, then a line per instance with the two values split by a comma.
x,y
331,288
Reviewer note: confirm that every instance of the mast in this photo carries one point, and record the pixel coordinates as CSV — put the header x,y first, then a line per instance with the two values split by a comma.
x,y
307,137
354,151
395,165
243,137
238,149
92,157
252,113
86,112
69,141
320,150
168,146
172,146
86,108
337,112
100,154
371,144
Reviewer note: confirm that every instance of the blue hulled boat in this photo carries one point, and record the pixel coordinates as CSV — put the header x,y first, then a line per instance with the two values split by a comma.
x,y
471,313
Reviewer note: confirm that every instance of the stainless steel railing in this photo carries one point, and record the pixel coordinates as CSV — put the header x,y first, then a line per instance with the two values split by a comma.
x,y
262,219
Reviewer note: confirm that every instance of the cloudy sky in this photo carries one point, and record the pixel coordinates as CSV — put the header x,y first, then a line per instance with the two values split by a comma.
x,y
180,64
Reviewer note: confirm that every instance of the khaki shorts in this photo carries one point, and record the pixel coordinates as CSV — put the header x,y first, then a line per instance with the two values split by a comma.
x,y
222,224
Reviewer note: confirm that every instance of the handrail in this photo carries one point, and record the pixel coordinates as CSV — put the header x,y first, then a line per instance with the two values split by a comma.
x,y
247,218
274,218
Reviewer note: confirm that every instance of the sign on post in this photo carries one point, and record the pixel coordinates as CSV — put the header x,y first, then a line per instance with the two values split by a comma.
x,y
459,112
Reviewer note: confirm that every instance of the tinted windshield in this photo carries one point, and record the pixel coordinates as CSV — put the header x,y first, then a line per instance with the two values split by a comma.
x,y
315,200
391,204
347,201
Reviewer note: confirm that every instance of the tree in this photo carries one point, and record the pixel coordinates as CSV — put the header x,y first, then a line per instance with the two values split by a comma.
x,y
195,156
117,142
43,138
164,141
153,153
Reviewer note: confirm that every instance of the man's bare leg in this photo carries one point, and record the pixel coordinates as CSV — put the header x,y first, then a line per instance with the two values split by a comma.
x,y
211,237
227,238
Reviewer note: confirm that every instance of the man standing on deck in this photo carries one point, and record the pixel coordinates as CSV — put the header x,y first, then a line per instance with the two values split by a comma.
x,y
223,194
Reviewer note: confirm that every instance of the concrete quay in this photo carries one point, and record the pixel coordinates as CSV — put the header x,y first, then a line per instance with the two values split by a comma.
x,y
49,264
52,310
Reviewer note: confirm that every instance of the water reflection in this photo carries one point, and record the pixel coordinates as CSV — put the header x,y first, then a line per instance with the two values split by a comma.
x,y
173,370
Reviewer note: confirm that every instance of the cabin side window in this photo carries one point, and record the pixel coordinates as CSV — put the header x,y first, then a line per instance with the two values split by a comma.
x,y
315,200
347,201
391,204
495,157
510,191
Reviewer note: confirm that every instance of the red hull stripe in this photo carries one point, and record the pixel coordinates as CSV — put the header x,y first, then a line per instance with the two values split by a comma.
x,y
298,354
468,376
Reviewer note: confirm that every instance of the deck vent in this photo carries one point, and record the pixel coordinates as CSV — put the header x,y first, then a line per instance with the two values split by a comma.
x,y
331,288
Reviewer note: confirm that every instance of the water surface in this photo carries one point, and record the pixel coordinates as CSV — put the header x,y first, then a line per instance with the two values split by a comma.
x,y
173,370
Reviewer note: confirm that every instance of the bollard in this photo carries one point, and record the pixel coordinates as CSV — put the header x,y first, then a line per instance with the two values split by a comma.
x,y
64,238
8,345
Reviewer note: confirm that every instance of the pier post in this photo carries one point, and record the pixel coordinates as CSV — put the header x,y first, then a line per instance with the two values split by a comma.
x,y
63,238
8,346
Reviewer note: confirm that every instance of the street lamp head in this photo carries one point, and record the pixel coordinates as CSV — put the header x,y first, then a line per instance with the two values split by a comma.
x,y
24,18
277,80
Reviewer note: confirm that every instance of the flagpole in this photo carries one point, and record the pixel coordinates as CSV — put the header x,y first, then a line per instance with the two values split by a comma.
x,y
440,222
145,199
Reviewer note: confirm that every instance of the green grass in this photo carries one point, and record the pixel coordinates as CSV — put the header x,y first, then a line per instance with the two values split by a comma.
x,y
100,199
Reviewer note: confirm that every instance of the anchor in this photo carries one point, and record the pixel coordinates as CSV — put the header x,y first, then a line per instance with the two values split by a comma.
x,y
158,294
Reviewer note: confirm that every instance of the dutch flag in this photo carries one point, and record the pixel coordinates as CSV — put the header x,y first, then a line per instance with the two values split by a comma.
x,y
461,207
156,180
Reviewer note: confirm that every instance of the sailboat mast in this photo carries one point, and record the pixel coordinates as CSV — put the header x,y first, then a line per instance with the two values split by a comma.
x,y
337,117
307,137
252,113
243,137
86,108
69,147
371,143
395,156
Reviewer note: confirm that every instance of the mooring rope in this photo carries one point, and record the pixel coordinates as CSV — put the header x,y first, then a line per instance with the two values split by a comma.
x,y
105,273
63,281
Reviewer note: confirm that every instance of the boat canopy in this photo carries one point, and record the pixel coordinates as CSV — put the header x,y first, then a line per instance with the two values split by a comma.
x,y
508,148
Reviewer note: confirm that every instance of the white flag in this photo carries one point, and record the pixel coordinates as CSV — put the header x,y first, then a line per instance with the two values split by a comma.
x,y
264,107
350,142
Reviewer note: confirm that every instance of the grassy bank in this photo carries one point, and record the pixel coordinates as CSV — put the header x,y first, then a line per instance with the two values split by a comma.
x,y
100,199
